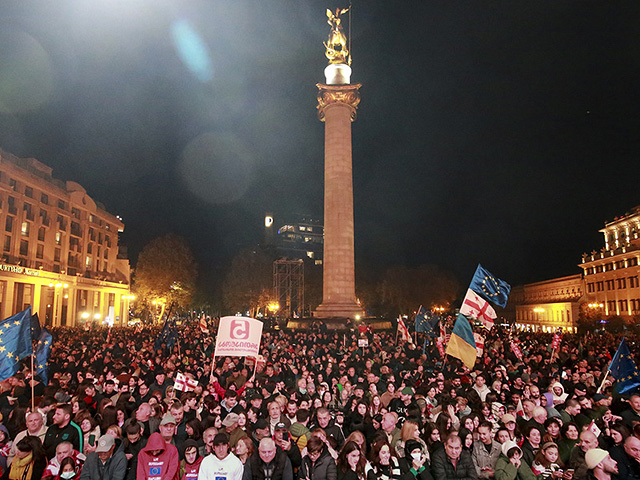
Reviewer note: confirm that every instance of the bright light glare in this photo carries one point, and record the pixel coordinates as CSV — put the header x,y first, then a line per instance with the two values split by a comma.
x,y
192,50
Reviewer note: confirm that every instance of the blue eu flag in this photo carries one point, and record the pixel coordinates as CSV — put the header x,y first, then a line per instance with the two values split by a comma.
x,y
168,335
491,288
15,342
422,320
43,352
623,369
426,323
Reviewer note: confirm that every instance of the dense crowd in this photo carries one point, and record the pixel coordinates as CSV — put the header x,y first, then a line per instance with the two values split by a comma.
x,y
321,405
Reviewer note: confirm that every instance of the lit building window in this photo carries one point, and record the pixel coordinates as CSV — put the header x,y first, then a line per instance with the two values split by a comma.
x,y
25,228
310,254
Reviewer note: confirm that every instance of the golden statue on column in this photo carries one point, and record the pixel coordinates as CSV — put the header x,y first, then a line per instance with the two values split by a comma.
x,y
337,49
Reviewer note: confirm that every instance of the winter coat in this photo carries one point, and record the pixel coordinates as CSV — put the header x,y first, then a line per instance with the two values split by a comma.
x,y
115,468
505,470
323,469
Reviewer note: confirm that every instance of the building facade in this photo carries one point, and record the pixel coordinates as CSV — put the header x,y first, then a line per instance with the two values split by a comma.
x,y
304,239
611,275
59,249
608,285
549,305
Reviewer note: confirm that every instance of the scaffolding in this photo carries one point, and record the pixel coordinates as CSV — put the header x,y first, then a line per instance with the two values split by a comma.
x,y
288,287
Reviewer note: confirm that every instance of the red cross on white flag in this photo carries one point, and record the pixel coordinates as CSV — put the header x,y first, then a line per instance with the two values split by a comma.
x,y
475,306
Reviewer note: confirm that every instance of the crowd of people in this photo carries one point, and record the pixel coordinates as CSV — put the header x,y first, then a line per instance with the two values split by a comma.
x,y
318,405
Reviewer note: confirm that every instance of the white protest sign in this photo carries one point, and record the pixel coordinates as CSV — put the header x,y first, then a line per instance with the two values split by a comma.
x,y
238,337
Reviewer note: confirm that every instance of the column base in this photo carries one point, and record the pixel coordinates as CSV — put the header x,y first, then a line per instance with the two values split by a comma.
x,y
341,310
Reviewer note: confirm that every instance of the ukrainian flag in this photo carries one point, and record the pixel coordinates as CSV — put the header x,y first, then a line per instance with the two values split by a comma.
x,y
462,344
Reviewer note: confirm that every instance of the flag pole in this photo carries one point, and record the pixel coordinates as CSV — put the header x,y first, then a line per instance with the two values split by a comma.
x,y
606,375
33,398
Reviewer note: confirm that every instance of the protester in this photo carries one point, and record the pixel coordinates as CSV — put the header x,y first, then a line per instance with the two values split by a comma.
x,y
107,462
317,464
190,466
221,463
29,462
158,460
320,384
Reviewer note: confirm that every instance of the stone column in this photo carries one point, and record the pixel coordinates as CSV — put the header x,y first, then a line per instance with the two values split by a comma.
x,y
337,109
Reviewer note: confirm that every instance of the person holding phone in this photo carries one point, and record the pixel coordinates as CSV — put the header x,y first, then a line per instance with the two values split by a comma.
x,y
282,439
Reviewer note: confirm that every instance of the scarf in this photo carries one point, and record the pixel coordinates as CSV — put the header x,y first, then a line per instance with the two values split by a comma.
x,y
21,468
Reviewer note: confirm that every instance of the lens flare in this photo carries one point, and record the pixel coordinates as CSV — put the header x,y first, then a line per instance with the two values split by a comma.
x,y
192,50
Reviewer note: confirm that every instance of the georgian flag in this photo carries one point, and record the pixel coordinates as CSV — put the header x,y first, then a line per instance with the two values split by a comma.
x,y
404,331
184,383
204,327
475,306
479,343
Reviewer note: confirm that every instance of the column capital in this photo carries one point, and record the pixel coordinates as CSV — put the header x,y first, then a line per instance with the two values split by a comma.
x,y
348,95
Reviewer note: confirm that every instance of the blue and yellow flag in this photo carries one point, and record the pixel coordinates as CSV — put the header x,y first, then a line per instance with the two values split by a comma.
x,y
491,288
462,345
623,369
43,352
15,342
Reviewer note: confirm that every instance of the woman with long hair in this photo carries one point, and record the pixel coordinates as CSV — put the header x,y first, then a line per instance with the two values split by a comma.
x,y
432,436
351,462
384,464
90,430
109,417
569,438
531,444
552,427
547,462
243,449
410,431
376,405
194,431
30,460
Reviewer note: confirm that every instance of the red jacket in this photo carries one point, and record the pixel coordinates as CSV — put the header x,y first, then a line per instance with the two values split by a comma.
x,y
163,466
191,471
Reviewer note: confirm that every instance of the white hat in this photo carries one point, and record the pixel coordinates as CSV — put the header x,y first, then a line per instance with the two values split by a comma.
x,y
594,456
508,445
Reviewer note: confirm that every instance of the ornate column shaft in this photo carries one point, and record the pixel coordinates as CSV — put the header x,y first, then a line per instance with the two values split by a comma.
x,y
337,106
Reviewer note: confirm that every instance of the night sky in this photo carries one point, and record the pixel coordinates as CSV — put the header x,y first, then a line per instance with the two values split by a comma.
x,y
504,133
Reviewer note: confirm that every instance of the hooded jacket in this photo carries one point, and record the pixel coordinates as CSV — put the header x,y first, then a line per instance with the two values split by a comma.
x,y
163,466
558,399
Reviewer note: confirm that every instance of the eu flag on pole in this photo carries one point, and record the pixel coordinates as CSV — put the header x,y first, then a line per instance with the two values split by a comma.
x,y
43,353
15,342
490,287
168,335
35,326
623,369
421,320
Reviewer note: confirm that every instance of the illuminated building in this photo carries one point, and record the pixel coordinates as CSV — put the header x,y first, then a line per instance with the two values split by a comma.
x,y
608,285
548,305
300,240
59,249
611,275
